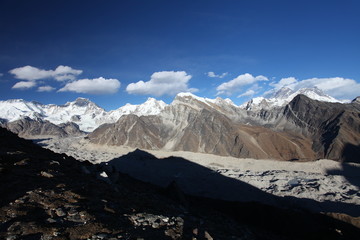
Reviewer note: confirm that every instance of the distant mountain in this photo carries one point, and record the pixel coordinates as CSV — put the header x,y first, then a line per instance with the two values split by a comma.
x,y
283,96
86,114
28,128
303,129
196,124
82,112
150,107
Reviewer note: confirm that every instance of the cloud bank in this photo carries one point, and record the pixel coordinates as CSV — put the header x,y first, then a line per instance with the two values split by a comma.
x,y
236,85
67,78
162,83
96,86
61,73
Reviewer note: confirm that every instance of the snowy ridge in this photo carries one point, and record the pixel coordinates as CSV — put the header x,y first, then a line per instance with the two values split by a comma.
x,y
208,101
82,111
150,107
284,96
16,109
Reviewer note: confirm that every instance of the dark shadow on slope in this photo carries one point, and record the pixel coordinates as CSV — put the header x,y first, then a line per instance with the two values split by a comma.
x,y
351,153
198,180
248,205
350,171
39,141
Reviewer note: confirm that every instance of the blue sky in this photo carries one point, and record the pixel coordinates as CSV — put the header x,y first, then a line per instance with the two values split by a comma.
x,y
115,52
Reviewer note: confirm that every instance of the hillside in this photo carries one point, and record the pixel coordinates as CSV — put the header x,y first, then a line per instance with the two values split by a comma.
x,y
51,196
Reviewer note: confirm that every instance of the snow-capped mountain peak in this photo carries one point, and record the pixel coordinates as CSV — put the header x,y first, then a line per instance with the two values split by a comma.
x,y
186,97
80,102
284,95
150,107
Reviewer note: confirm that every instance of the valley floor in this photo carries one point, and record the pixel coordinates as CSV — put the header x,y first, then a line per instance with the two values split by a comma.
x,y
324,181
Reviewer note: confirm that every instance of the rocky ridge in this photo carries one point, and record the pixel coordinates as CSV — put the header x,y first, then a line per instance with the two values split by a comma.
x,y
30,128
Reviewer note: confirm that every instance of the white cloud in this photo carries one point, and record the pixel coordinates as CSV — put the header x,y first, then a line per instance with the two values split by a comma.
x,y
247,93
284,82
45,89
162,83
61,73
24,85
92,86
213,75
338,87
1,74
237,83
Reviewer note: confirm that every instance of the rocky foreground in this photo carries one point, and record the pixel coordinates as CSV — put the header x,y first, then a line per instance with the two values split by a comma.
x,y
45,195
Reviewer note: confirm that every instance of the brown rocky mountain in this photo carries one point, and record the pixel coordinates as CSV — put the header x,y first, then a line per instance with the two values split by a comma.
x,y
132,131
333,127
27,127
45,195
305,129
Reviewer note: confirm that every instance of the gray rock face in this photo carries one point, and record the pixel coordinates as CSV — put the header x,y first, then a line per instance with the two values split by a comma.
x,y
28,127
130,130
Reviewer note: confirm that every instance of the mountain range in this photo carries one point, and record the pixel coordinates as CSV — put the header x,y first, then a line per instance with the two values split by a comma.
x,y
302,125
86,114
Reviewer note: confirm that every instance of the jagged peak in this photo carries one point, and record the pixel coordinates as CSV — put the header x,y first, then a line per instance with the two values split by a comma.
x,y
219,100
151,100
187,95
283,92
208,101
81,102
356,100
15,100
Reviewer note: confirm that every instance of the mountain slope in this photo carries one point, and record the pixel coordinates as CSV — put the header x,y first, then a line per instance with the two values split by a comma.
x,y
334,127
304,129
190,124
